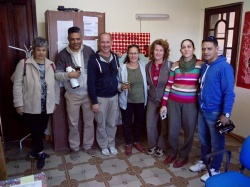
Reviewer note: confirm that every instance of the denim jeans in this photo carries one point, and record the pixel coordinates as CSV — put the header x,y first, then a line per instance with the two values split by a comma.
x,y
210,138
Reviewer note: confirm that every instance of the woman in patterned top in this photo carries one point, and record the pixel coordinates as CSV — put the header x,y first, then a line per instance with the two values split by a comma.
x,y
180,103
36,93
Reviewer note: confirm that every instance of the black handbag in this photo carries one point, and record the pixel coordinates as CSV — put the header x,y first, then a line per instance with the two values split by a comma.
x,y
224,129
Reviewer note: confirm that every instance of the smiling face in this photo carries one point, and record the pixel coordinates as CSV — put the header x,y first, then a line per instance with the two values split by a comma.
x,y
133,54
105,43
187,50
75,41
209,51
40,53
158,53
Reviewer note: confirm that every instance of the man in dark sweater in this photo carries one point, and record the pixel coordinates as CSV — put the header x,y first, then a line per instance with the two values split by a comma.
x,y
102,88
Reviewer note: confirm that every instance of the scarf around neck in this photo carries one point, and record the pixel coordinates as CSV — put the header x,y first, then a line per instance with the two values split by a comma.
x,y
187,66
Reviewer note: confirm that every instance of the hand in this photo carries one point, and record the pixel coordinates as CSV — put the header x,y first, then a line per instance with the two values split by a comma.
x,y
224,120
19,110
125,86
95,108
55,107
162,110
119,54
74,74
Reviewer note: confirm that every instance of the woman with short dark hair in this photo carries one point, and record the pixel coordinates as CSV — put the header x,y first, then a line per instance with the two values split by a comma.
x,y
36,93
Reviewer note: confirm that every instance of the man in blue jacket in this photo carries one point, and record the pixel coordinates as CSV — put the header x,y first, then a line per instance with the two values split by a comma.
x,y
216,99
103,92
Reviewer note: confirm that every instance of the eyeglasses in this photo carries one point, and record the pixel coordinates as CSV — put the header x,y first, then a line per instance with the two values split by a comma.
x,y
131,54
211,39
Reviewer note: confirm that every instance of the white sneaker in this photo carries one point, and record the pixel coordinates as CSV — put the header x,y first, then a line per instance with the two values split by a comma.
x,y
198,166
206,176
113,150
152,150
105,152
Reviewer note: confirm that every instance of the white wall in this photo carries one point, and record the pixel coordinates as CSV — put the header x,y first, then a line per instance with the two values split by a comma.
x,y
241,110
184,21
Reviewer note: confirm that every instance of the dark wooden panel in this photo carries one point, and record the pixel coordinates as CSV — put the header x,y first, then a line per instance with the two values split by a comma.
x,y
18,27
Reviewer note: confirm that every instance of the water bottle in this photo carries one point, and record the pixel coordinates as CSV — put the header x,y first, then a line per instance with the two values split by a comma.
x,y
73,81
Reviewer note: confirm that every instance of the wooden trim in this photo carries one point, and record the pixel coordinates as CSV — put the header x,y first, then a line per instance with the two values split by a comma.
x,y
237,137
3,170
34,20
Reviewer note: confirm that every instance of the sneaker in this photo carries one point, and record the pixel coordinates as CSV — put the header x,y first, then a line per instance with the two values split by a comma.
x,y
159,152
34,155
91,152
74,155
152,150
41,161
206,176
199,166
113,150
105,152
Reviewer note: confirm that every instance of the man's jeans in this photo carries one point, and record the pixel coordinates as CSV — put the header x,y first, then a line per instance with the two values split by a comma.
x,y
210,138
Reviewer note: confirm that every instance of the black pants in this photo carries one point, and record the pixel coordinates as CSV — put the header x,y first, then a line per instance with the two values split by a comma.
x,y
37,124
136,111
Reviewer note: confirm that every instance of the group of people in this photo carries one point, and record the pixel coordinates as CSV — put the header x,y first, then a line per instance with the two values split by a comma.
x,y
188,91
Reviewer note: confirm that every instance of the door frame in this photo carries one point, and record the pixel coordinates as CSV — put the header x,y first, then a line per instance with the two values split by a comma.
x,y
234,7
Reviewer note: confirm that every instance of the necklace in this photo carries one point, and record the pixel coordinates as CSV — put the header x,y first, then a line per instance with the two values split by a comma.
x,y
135,72
132,65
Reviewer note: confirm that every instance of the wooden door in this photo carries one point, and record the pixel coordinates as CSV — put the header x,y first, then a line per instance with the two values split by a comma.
x,y
18,28
224,23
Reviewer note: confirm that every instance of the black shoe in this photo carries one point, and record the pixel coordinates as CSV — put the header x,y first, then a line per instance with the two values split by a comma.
x,y
41,160
34,155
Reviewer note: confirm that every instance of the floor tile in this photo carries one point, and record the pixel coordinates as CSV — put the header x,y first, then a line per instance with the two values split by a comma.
x,y
138,170
124,180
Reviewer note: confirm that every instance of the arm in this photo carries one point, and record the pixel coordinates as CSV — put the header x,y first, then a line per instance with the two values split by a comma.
x,y
18,85
60,72
91,85
227,88
57,92
168,86
91,81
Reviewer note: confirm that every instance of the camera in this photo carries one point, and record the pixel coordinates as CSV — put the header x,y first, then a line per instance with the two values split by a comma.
x,y
224,129
164,115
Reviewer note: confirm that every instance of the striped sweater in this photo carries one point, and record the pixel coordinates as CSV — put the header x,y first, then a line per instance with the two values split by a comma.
x,y
182,88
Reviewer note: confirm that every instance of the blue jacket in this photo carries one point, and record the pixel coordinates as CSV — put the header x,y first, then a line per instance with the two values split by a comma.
x,y
102,77
217,86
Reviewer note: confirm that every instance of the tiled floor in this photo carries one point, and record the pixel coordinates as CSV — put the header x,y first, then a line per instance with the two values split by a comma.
x,y
138,170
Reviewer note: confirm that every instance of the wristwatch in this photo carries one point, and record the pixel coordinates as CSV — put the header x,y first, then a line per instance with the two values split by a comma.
x,y
227,115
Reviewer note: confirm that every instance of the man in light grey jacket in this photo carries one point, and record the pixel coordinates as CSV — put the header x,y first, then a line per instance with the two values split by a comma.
x,y
76,55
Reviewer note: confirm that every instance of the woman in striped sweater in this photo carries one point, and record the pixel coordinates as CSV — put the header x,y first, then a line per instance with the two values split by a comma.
x,y
180,103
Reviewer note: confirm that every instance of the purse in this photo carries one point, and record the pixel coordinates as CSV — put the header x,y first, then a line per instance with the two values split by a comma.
x,y
224,129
